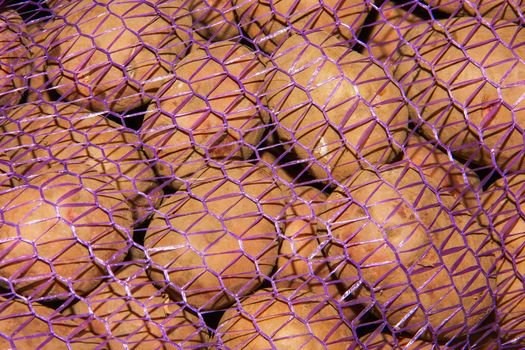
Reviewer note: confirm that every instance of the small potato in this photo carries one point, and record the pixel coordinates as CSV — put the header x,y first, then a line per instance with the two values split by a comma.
x,y
38,134
334,106
269,23
442,172
466,80
214,19
60,233
133,314
216,240
423,264
15,64
500,9
301,262
33,326
210,111
115,54
505,205
283,319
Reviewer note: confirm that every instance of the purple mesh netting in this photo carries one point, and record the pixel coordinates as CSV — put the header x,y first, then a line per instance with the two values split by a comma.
x,y
245,174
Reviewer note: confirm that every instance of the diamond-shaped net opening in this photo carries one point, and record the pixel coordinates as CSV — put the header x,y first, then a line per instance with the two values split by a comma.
x,y
260,174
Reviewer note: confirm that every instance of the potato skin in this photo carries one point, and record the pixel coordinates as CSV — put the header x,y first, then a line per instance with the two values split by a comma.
x,y
334,106
217,240
33,326
209,111
148,320
57,231
392,230
114,54
505,205
269,23
466,87
15,64
38,135
283,319
499,9
214,19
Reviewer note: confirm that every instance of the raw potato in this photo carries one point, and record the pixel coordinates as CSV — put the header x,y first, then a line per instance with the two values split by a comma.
x,y
214,19
210,111
115,54
15,56
421,268
216,240
40,133
283,319
60,233
34,326
468,87
301,263
383,341
501,9
269,23
443,173
133,314
384,38
335,106
505,204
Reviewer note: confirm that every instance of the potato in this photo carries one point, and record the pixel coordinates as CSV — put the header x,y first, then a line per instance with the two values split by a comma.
x,y
269,23
210,111
283,319
465,78
37,134
301,262
15,63
32,326
442,172
390,24
505,204
216,240
383,341
423,264
335,107
115,54
214,19
507,9
60,233
132,313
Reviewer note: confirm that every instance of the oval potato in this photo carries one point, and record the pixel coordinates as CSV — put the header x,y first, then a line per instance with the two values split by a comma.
x,y
335,107
217,240
423,263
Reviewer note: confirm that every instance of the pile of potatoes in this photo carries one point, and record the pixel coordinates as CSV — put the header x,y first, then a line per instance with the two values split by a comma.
x,y
246,174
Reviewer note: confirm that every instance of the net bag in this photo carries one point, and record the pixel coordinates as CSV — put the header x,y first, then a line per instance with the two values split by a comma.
x,y
248,174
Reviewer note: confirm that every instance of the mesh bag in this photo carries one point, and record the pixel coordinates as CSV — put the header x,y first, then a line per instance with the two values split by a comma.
x,y
242,174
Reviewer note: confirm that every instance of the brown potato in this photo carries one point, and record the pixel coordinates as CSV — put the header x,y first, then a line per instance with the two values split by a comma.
x,y
133,314
33,326
335,107
217,240
37,134
501,9
283,319
442,172
214,19
465,79
391,22
15,64
269,23
301,262
383,341
423,264
60,233
210,111
505,205
113,54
